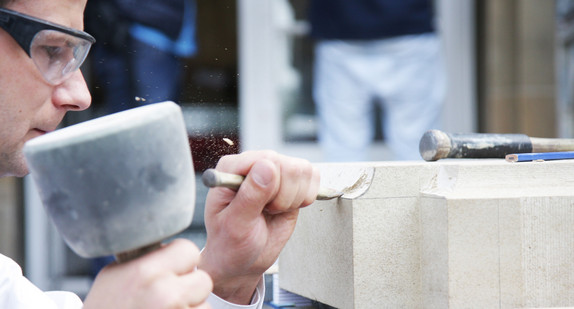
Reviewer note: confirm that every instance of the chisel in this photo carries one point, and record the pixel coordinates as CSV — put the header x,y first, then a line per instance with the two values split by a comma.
x,y
436,144
213,178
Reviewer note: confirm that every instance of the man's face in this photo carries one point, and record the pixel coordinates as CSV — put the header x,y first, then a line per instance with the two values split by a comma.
x,y
30,105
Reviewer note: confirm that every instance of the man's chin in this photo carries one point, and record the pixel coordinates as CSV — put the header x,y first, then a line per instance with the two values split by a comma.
x,y
17,173
22,170
10,174
16,167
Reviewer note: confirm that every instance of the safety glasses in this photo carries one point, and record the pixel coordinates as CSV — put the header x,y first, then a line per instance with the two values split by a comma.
x,y
57,51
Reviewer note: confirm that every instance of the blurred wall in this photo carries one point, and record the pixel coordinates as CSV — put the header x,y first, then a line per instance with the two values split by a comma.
x,y
516,67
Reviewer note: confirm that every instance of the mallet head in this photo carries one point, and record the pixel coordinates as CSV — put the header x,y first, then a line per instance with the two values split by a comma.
x,y
118,182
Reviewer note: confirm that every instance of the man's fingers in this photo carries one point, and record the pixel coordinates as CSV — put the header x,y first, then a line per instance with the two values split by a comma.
x,y
198,285
202,306
181,256
185,291
293,179
299,186
313,188
257,189
191,286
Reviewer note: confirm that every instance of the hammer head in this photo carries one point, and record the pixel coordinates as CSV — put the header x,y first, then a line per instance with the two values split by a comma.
x,y
118,182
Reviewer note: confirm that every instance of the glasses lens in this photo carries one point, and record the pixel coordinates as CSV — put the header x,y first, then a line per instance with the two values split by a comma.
x,y
57,55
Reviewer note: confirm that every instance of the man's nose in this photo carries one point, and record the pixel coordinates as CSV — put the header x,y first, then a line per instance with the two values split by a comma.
x,y
73,93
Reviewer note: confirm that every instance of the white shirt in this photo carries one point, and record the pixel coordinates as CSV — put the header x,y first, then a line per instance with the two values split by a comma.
x,y
17,292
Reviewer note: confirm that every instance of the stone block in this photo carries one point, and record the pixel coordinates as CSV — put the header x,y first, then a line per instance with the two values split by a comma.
x,y
446,234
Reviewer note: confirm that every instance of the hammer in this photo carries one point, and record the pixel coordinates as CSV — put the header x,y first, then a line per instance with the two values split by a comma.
x,y
436,144
119,184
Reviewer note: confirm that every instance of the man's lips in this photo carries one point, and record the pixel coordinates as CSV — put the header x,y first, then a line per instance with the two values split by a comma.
x,y
38,132
45,129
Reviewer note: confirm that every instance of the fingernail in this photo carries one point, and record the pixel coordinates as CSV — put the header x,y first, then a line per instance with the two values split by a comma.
x,y
261,174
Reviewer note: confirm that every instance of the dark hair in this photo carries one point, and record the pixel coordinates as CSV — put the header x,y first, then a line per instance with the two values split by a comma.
x,y
4,3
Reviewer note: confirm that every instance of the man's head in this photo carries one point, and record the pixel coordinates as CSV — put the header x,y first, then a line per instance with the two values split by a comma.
x,y
41,49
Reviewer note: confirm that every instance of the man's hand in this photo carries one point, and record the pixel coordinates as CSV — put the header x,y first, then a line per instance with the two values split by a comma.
x,y
165,278
247,229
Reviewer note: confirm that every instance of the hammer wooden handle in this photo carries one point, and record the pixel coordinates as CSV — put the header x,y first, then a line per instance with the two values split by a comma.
x,y
436,144
213,178
127,256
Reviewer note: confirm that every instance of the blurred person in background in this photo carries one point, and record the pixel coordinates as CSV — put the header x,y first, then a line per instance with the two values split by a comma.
x,y
141,51
375,51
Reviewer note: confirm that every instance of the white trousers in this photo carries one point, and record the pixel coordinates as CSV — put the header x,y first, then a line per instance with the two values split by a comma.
x,y
404,74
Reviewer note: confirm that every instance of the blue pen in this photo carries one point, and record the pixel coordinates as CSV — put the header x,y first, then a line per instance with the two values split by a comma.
x,y
545,156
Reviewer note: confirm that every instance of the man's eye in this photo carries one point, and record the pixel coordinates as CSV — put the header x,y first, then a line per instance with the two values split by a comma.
x,y
52,51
